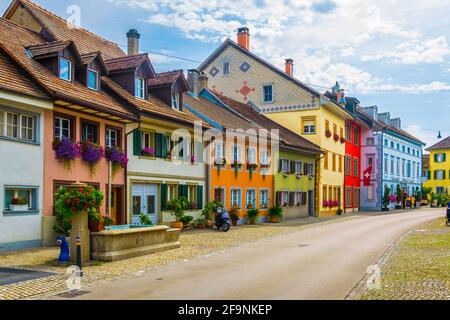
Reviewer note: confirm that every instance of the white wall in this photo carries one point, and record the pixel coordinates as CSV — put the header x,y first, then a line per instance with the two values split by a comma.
x,y
21,164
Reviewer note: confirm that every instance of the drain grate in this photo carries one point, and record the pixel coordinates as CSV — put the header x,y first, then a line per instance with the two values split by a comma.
x,y
73,294
10,276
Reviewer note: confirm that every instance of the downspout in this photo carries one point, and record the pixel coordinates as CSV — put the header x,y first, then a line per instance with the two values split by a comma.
x,y
382,168
126,172
317,183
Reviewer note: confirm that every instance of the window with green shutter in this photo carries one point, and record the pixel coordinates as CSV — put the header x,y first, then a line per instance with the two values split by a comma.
x,y
137,142
163,197
200,197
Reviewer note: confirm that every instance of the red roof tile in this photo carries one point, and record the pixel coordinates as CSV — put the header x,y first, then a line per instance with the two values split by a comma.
x,y
164,78
128,62
443,144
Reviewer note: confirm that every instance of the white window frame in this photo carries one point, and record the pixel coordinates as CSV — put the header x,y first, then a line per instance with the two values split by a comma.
x,y
251,156
70,69
264,94
253,198
298,167
61,120
97,78
239,197
310,168
285,198
175,100
139,80
219,151
108,132
33,127
12,125
223,67
266,198
285,163
236,149
309,128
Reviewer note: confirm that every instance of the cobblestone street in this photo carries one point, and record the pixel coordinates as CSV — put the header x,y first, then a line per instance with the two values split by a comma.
x,y
194,243
419,266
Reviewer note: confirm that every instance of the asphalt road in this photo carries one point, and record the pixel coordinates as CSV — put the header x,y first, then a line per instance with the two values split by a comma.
x,y
324,261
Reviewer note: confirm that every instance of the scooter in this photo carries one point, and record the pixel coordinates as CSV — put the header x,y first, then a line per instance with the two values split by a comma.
x,y
223,221
447,223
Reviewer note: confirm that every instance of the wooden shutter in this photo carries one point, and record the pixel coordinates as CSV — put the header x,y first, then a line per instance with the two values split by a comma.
x,y
436,158
280,165
137,142
304,198
444,157
292,167
292,199
200,197
182,191
163,197
164,146
278,198
158,145
435,174
444,174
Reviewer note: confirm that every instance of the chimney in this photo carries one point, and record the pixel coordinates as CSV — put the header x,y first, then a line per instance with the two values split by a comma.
x,y
385,117
133,42
396,123
243,38
202,82
371,111
289,67
193,76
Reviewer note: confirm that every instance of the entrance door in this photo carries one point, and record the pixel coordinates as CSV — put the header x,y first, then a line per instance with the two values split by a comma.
x,y
144,200
311,205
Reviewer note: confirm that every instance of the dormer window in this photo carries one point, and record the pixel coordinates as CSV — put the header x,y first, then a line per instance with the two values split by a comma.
x,y
65,69
139,88
175,100
92,81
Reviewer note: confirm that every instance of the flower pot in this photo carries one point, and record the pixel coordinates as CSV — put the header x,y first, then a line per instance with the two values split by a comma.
x,y
234,222
210,224
18,207
95,226
177,225
275,219
252,221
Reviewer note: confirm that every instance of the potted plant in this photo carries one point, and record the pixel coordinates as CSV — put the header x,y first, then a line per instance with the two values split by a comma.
x,y
208,211
117,158
186,220
399,194
95,221
145,220
66,151
19,204
276,214
236,164
336,137
234,215
200,223
148,152
339,212
386,198
178,207
252,215
92,153
328,133
265,166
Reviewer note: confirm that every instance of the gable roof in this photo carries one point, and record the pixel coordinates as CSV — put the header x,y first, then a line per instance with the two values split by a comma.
x,y
443,144
166,78
88,58
230,43
59,30
128,62
14,40
13,78
287,136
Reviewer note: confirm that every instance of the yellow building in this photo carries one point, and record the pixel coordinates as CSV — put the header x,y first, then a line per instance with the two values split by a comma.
x,y
233,70
438,174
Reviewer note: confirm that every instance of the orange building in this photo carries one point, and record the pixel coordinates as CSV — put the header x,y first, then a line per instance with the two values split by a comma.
x,y
235,181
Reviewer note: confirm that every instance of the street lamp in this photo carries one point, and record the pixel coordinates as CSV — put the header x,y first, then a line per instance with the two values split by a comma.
x,y
439,135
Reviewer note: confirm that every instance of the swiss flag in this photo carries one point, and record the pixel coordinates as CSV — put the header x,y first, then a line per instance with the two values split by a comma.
x,y
367,175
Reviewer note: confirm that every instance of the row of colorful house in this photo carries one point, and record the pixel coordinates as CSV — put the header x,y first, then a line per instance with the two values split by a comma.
x,y
75,108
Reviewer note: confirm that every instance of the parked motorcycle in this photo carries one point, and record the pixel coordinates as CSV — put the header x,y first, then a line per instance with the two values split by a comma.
x,y
223,221
448,215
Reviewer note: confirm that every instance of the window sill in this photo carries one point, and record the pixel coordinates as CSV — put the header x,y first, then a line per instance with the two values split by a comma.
x,y
19,141
148,157
8,213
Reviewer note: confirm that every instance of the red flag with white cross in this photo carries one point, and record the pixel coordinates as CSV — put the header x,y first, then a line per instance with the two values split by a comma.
x,y
367,174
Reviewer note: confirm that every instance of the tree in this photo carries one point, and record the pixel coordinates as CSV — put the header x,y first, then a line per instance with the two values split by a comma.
x,y
386,197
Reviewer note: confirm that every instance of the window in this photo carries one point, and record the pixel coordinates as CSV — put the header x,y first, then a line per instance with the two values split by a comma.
x,y
348,165
325,193
385,142
356,197
398,166
139,88
325,161
264,199
370,160
219,194
297,199
403,167
236,197
284,198
226,68
440,190
136,205
172,192
392,144
327,125
392,165
192,194
348,132
2,122
89,132
356,167
309,125
439,175
65,69
28,194
340,162
219,152
370,192
408,169
398,146
12,125
309,169
63,128
285,165
333,164
356,136
370,141
251,155
27,128
265,157
298,167
348,197
175,103
92,80
112,138
236,153
250,198
439,157
386,164
268,93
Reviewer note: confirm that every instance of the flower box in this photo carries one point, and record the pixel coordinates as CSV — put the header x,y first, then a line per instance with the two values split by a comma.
x,y
236,165
336,137
265,166
328,133
342,140
18,207
252,166
148,152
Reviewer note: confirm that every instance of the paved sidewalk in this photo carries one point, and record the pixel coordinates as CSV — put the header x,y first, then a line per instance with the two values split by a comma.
x,y
194,243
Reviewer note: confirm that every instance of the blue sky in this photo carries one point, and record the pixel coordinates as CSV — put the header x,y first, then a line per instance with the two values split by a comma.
x,y
394,54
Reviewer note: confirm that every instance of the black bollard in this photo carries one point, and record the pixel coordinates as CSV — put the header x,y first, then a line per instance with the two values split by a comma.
x,y
79,262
